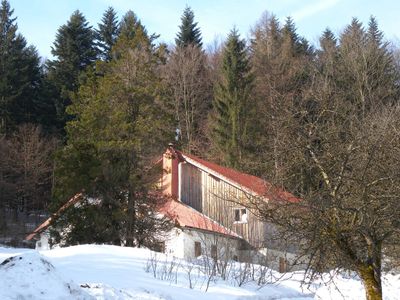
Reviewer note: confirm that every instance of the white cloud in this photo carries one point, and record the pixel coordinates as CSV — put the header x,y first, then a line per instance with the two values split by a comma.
x,y
313,9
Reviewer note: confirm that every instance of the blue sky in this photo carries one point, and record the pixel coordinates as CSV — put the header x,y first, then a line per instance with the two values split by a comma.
x,y
38,20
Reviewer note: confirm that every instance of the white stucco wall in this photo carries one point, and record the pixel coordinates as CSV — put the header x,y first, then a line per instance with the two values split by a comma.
x,y
181,244
43,242
272,257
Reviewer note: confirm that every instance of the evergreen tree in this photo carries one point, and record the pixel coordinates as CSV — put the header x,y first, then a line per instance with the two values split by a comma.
x,y
293,44
328,41
380,55
328,55
281,64
8,35
45,111
189,33
28,79
19,73
133,35
74,49
290,37
232,103
131,26
109,144
374,35
107,33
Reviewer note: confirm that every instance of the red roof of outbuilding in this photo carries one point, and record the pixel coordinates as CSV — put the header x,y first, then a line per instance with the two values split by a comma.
x,y
186,216
42,227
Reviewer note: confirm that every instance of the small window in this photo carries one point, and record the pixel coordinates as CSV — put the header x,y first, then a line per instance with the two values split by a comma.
x,y
240,215
214,251
237,215
197,249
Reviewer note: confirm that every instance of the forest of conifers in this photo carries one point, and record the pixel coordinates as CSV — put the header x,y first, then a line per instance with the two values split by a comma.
x,y
321,121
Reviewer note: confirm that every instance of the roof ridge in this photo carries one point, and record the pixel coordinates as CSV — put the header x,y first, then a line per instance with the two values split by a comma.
x,y
247,182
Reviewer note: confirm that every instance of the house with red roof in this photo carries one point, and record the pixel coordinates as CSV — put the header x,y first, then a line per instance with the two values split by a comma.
x,y
210,205
207,203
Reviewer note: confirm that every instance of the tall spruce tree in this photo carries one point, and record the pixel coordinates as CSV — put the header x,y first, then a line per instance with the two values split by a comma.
x,y
232,104
8,35
109,146
74,49
19,73
189,32
328,41
132,35
293,44
327,58
107,33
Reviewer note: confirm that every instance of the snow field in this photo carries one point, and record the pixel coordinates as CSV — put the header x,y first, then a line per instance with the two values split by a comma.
x,y
111,272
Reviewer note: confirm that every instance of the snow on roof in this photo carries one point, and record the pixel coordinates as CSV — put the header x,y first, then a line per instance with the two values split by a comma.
x,y
186,216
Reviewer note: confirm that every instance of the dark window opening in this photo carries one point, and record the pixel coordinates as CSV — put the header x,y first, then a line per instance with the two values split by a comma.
x,y
214,251
282,265
240,215
237,215
197,249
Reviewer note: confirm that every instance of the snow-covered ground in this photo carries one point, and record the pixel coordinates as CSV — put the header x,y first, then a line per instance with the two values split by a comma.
x,y
111,272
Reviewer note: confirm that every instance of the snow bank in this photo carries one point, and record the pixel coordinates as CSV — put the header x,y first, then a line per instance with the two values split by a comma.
x,y
111,272
30,276
6,252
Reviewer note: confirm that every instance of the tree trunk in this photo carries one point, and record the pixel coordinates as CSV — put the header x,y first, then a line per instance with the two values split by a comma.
x,y
371,281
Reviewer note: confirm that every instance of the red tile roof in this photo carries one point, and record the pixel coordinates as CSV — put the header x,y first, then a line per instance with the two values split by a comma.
x,y
181,214
186,216
248,182
42,227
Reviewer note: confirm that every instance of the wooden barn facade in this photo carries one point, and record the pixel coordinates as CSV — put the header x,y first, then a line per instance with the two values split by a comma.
x,y
221,194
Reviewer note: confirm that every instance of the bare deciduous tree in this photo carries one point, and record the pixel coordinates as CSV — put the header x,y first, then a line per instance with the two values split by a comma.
x,y
26,172
350,217
188,79
31,155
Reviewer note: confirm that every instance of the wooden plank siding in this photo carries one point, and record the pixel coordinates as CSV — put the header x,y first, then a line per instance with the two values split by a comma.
x,y
218,199
191,192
